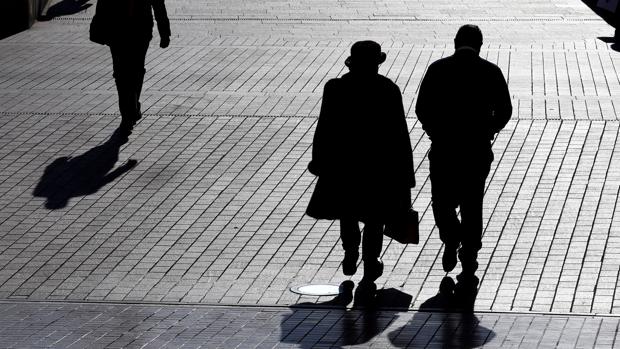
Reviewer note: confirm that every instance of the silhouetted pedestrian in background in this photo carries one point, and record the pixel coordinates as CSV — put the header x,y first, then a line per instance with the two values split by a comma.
x,y
463,102
362,157
127,27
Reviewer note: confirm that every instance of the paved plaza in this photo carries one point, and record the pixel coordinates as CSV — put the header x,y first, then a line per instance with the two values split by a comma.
x,y
193,232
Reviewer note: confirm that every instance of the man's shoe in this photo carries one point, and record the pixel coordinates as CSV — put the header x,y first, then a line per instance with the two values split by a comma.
x,y
465,292
365,294
373,269
448,260
349,263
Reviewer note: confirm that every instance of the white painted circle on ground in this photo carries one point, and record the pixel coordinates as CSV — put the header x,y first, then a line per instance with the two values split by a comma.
x,y
317,290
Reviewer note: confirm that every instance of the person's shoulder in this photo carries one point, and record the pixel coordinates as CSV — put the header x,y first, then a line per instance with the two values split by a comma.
x,y
385,80
442,62
333,83
490,66
387,83
440,66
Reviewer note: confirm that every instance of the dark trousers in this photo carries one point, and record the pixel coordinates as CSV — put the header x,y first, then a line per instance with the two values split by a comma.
x,y
351,237
459,182
128,60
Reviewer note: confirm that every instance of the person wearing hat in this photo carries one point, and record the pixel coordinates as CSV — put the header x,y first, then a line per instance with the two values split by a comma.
x,y
463,102
362,156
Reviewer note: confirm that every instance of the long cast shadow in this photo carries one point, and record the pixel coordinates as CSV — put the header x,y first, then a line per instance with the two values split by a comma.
x,y
69,177
332,324
65,8
443,321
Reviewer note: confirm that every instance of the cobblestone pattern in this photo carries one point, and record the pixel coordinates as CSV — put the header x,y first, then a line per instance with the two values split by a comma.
x,y
158,326
278,77
444,10
214,210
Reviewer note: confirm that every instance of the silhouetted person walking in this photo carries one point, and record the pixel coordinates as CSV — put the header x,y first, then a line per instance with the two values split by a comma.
x,y
463,102
362,156
126,27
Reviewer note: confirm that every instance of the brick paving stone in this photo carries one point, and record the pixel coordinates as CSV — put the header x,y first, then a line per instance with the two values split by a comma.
x,y
213,212
90,325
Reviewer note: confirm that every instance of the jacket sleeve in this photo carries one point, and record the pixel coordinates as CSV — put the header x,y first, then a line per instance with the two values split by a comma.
x,y
425,105
161,16
501,104
320,143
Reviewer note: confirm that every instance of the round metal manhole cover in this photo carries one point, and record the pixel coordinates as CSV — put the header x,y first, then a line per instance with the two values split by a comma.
x,y
317,290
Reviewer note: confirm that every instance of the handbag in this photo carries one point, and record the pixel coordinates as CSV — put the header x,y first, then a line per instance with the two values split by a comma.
x,y
405,228
100,26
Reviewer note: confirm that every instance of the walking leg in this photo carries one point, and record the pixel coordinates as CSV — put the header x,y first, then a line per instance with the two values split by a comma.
x,y
471,217
371,250
123,77
350,235
444,193
140,72
471,242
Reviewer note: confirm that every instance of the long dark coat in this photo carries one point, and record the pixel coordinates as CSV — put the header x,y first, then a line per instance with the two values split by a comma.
x,y
361,151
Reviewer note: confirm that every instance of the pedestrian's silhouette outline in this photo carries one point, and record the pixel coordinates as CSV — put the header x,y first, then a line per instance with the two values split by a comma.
x,y
68,177
463,102
362,156
127,28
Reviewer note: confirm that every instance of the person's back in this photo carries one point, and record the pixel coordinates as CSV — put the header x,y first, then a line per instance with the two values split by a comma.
x,y
466,101
366,113
463,102
134,18
129,20
126,26
362,156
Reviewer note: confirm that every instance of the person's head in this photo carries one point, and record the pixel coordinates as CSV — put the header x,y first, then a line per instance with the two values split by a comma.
x,y
468,35
366,56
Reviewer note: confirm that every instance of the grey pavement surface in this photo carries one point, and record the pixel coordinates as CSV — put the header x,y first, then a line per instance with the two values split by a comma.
x,y
212,214
161,326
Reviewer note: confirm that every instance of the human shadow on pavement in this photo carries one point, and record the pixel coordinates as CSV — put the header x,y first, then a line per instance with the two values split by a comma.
x,y
332,324
68,177
64,8
443,321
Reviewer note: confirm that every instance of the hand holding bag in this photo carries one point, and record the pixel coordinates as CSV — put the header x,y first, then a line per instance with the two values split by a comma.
x,y
405,228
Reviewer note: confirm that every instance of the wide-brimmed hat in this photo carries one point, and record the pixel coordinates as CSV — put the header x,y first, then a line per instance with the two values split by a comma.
x,y
365,52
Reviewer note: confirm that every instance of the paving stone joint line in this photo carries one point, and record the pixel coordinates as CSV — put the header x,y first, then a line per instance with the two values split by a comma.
x,y
354,19
304,306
